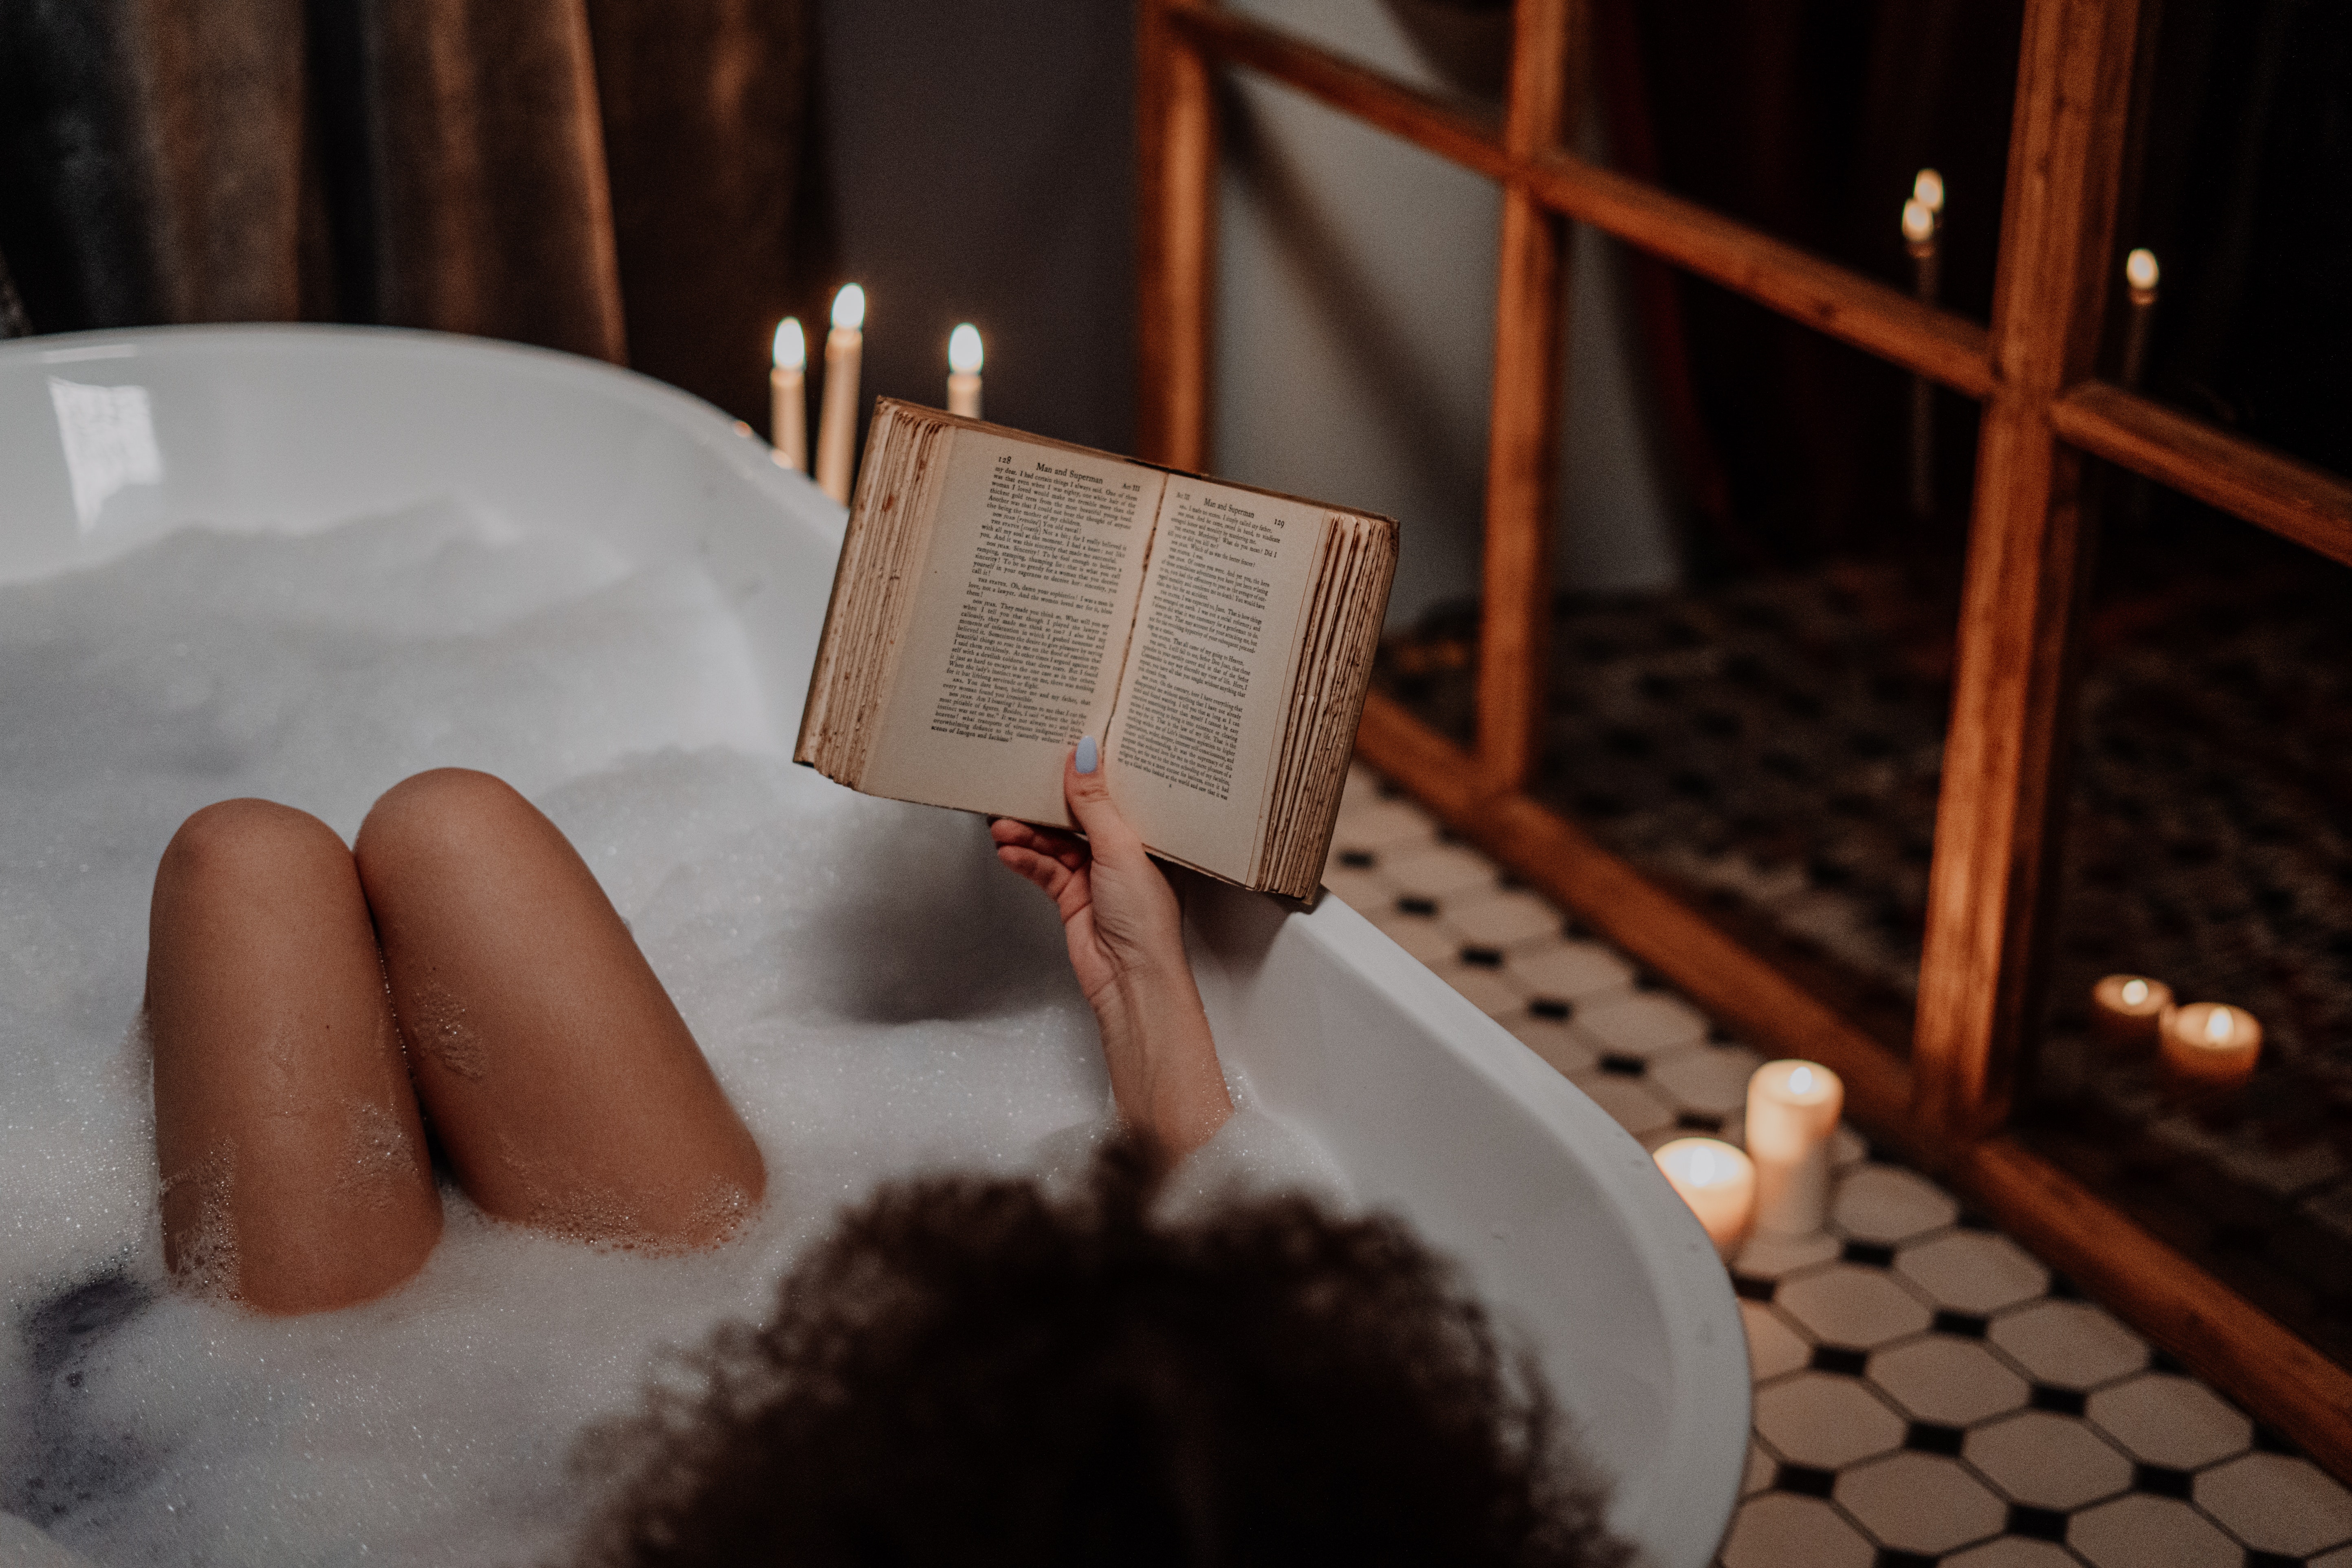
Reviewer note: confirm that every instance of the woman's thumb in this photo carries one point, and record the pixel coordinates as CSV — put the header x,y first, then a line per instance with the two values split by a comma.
x,y
1086,787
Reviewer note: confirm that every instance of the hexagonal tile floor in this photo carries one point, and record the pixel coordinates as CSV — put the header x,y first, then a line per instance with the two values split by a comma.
x,y
1927,1391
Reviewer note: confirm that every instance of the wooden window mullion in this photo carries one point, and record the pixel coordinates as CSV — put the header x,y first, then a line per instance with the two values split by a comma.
x,y
1176,130
1523,422
1996,821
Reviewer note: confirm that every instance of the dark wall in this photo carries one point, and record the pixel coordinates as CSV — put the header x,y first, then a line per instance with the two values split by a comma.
x,y
978,162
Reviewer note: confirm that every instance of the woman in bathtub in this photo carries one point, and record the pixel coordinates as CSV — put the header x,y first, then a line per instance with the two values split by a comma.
x,y
967,1370
283,971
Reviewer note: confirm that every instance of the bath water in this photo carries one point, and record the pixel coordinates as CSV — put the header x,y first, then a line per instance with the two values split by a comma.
x,y
877,996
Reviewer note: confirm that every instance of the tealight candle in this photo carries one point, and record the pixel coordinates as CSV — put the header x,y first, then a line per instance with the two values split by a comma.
x,y
2210,1046
788,396
1792,1108
836,429
1718,1182
2127,1010
963,370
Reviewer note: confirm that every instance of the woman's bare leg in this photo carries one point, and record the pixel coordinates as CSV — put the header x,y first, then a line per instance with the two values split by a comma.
x,y
294,1169
560,1079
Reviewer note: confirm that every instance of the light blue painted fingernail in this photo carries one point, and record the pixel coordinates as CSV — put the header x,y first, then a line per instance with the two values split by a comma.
x,y
1089,755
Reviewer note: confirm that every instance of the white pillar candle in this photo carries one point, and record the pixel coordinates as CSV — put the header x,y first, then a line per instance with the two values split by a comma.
x,y
836,430
963,370
1718,1182
788,396
1792,1108
2126,1011
2210,1046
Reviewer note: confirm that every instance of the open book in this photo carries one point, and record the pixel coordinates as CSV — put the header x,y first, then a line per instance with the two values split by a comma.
x,y
1000,595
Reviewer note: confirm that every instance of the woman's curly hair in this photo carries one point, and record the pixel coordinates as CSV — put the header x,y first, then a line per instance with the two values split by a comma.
x,y
974,1371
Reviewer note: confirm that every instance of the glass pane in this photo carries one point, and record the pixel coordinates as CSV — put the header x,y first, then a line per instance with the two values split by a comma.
x,y
1355,328
1757,720
2208,847
2242,161
1811,119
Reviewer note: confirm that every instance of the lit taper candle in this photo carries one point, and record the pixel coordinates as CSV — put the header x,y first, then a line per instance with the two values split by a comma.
x,y
788,396
1923,218
963,370
2141,276
836,430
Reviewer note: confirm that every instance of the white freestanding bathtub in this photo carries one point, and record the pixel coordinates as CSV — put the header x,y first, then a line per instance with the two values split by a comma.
x,y
108,441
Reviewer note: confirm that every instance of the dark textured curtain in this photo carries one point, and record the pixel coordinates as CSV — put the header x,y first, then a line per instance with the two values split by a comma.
x,y
617,178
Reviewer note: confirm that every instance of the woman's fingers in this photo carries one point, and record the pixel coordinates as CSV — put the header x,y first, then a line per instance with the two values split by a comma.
x,y
1069,852
1107,829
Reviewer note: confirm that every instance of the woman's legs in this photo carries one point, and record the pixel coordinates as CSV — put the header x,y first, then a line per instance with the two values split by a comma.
x,y
560,1079
294,1168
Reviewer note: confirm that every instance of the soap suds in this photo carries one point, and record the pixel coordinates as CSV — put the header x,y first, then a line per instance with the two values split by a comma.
x,y
876,995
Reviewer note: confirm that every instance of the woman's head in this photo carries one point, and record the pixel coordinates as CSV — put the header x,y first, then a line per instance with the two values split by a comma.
x,y
975,1370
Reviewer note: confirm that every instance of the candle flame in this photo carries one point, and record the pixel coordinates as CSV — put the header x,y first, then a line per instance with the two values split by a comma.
x,y
1927,190
1801,1080
2219,1026
791,345
964,351
849,307
2134,992
2141,271
1919,221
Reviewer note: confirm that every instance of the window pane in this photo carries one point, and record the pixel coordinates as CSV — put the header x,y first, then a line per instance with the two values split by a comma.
x,y
2209,847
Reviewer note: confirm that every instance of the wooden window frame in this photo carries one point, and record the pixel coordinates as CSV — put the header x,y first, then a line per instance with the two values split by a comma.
x,y
2044,414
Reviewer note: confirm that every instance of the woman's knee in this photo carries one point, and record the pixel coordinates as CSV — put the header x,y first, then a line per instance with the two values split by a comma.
x,y
245,841
445,816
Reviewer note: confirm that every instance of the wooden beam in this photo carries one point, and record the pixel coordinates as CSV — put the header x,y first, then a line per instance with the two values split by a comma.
x,y
2004,752
2293,500
1871,316
1874,317
1450,128
2223,1339
1176,133
1523,415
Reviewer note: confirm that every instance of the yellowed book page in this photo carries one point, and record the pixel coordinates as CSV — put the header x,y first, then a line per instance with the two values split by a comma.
x,y
1209,672
1012,647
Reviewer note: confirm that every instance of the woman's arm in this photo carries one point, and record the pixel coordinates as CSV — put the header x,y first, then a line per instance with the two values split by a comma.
x,y
1126,938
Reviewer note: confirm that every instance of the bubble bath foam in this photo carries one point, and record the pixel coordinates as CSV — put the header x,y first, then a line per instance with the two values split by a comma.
x,y
876,994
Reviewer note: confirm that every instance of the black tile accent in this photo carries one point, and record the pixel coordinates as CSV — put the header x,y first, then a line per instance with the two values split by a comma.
x,y
1646,980
2272,1560
1869,1254
1483,957
1971,1220
2065,1289
1698,1121
1888,1557
1805,1479
1410,905
2271,1440
1624,1066
1574,930
1961,1325
1552,1009
2165,1361
1933,1437
1359,859
2056,1400
1749,1287
1840,1360
2162,1480
1716,1035
2041,1523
